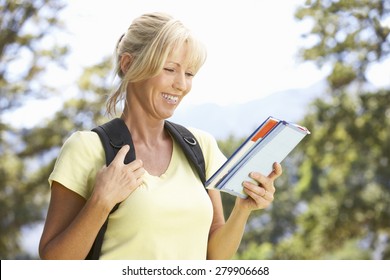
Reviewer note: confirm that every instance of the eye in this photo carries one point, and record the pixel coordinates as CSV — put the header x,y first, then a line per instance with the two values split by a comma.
x,y
169,69
189,74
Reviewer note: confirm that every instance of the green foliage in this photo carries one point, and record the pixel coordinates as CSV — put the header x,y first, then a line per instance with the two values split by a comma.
x,y
343,185
257,251
27,48
229,145
347,36
345,178
335,208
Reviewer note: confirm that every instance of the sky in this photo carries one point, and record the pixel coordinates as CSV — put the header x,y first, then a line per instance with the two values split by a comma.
x,y
252,48
252,44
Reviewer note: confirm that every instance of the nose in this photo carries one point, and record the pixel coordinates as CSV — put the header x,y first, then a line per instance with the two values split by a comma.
x,y
180,82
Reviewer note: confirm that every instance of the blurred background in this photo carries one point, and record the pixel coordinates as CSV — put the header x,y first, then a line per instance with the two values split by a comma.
x,y
323,64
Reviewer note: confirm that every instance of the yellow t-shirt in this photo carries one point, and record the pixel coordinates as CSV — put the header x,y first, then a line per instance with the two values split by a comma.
x,y
168,217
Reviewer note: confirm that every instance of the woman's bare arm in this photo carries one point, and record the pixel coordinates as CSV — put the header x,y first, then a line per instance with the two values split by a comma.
x,y
72,222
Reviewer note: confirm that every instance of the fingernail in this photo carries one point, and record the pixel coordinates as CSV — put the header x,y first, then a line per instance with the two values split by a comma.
x,y
245,184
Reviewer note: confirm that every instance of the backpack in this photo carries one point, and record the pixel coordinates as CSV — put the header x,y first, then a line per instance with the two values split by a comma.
x,y
115,134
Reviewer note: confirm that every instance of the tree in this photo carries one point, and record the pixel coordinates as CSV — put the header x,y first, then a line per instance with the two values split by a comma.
x,y
344,183
27,48
334,205
349,36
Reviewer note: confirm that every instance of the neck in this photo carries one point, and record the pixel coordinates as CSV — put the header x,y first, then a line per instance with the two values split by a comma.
x,y
144,129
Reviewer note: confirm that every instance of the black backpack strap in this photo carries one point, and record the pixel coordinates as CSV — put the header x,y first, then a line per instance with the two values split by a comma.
x,y
190,147
113,135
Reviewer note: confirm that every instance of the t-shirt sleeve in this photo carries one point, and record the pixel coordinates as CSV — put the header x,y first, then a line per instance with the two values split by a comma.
x,y
79,160
213,156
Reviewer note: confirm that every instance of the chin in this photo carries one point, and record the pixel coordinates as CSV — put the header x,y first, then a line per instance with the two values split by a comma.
x,y
169,115
170,112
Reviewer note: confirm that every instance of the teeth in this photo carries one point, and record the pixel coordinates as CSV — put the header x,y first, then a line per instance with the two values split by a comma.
x,y
170,98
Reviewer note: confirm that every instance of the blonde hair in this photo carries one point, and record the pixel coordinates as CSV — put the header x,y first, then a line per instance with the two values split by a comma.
x,y
149,40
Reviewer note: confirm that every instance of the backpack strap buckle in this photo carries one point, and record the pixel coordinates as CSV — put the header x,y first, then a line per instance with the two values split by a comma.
x,y
190,140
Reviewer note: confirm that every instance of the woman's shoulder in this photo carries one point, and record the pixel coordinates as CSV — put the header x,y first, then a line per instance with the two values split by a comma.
x,y
80,157
203,137
83,136
214,158
83,142
201,134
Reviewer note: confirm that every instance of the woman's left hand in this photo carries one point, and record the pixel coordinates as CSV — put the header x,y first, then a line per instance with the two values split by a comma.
x,y
260,195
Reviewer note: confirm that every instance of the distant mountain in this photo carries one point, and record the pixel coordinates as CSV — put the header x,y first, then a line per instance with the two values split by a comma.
x,y
240,119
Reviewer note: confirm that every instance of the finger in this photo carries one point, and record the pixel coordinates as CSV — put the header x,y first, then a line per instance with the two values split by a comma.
x,y
268,195
276,172
254,189
259,196
259,178
139,172
135,165
139,181
120,156
263,181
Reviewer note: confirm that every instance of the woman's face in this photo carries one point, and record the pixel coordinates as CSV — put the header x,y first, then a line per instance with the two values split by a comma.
x,y
159,96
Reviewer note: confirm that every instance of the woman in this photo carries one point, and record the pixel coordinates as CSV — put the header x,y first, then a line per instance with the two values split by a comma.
x,y
165,213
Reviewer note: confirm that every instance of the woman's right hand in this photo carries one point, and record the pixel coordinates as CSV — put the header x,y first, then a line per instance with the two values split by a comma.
x,y
114,183
72,223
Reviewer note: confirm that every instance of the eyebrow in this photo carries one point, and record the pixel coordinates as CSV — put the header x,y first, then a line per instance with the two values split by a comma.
x,y
173,62
189,68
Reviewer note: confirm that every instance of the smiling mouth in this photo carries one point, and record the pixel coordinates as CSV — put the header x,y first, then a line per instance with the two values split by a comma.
x,y
171,99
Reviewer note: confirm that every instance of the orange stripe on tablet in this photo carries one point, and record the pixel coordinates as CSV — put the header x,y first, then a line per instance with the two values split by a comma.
x,y
265,129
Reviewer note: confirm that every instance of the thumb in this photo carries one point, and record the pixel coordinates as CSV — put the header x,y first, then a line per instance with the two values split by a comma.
x,y
276,172
120,156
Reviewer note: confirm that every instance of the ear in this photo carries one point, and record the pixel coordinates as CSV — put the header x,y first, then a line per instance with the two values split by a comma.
x,y
126,60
